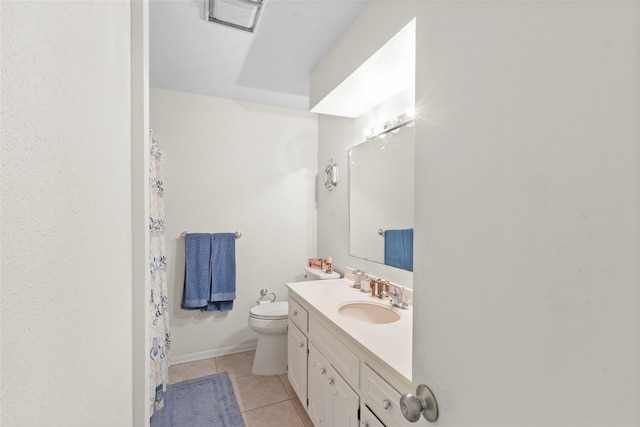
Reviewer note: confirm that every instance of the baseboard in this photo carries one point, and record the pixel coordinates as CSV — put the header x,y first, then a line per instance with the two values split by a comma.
x,y
192,357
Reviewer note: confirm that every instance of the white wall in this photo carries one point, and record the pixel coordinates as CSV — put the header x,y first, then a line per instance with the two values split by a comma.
x,y
235,166
376,25
336,135
66,214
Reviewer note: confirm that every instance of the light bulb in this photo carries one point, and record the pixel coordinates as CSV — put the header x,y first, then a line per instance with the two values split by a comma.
x,y
411,113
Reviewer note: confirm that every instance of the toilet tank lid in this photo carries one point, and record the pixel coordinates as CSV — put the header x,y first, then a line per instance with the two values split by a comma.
x,y
274,309
321,275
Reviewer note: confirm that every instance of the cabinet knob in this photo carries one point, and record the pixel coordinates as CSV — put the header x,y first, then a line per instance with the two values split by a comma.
x,y
424,402
301,345
295,312
323,371
331,381
386,403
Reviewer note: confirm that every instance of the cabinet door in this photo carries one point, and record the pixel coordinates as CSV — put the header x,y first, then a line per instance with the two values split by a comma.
x,y
297,361
318,367
368,419
344,401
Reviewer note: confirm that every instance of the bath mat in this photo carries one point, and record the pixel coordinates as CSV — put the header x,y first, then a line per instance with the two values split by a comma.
x,y
207,401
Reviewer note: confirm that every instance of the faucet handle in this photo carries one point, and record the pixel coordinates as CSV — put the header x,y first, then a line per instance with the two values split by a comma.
x,y
358,276
385,285
398,295
366,287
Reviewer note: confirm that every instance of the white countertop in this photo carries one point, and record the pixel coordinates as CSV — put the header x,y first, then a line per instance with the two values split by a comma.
x,y
390,343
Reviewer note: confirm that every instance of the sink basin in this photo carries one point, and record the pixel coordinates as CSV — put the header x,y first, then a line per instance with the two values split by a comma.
x,y
369,312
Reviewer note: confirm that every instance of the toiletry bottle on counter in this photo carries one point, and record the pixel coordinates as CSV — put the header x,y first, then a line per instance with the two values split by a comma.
x,y
329,262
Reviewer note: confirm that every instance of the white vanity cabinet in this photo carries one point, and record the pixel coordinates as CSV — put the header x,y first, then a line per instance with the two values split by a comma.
x,y
332,402
344,384
297,349
317,379
343,404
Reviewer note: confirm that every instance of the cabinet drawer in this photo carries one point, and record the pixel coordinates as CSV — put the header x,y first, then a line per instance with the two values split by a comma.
x,y
298,315
382,398
368,419
343,359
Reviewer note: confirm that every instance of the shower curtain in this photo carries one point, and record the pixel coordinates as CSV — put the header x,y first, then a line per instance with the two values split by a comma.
x,y
159,303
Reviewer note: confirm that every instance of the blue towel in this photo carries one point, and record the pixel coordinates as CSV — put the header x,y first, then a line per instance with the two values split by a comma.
x,y
210,272
398,248
223,272
197,270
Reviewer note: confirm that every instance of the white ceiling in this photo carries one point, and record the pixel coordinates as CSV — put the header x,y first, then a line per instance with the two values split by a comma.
x,y
269,66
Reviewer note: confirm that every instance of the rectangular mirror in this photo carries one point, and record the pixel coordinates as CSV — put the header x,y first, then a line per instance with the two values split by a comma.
x,y
381,182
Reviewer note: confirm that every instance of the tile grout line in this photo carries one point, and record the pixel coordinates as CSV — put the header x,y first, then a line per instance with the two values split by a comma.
x,y
271,404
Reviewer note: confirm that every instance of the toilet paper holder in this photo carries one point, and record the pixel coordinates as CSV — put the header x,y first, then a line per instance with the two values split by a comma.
x,y
266,296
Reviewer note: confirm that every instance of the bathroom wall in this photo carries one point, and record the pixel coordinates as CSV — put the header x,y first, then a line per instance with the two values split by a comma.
x,y
235,166
336,135
66,303
377,23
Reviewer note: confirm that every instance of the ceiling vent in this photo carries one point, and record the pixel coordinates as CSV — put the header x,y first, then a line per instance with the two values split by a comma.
x,y
241,14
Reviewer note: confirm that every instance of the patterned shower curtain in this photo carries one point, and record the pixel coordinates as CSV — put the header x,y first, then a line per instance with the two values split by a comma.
x,y
159,303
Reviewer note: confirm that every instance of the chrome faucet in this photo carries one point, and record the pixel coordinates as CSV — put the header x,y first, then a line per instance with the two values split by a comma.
x,y
396,297
359,274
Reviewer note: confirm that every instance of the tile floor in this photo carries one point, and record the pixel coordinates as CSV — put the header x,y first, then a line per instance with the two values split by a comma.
x,y
264,401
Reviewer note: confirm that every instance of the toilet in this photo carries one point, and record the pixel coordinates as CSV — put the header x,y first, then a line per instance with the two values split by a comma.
x,y
269,321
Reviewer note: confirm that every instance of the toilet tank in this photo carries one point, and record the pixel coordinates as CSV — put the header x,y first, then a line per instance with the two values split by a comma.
x,y
316,274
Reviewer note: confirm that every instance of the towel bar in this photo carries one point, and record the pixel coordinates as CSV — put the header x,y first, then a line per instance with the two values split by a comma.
x,y
237,233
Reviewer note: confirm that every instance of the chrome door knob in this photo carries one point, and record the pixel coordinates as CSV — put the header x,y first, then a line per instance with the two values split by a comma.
x,y
424,402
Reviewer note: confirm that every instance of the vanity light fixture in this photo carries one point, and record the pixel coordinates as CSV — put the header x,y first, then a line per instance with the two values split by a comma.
x,y
393,125
240,14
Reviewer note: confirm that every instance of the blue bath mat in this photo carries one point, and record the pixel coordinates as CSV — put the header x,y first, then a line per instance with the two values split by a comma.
x,y
207,401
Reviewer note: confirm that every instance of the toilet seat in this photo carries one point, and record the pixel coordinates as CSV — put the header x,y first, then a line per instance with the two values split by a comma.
x,y
272,311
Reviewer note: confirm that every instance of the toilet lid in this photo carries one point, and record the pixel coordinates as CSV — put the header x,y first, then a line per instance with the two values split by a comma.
x,y
274,310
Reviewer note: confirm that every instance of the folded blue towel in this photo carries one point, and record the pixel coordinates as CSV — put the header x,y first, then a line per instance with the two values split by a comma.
x,y
210,272
223,271
398,248
197,271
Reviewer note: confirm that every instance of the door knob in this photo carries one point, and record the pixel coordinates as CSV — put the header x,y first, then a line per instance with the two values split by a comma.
x,y
424,402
